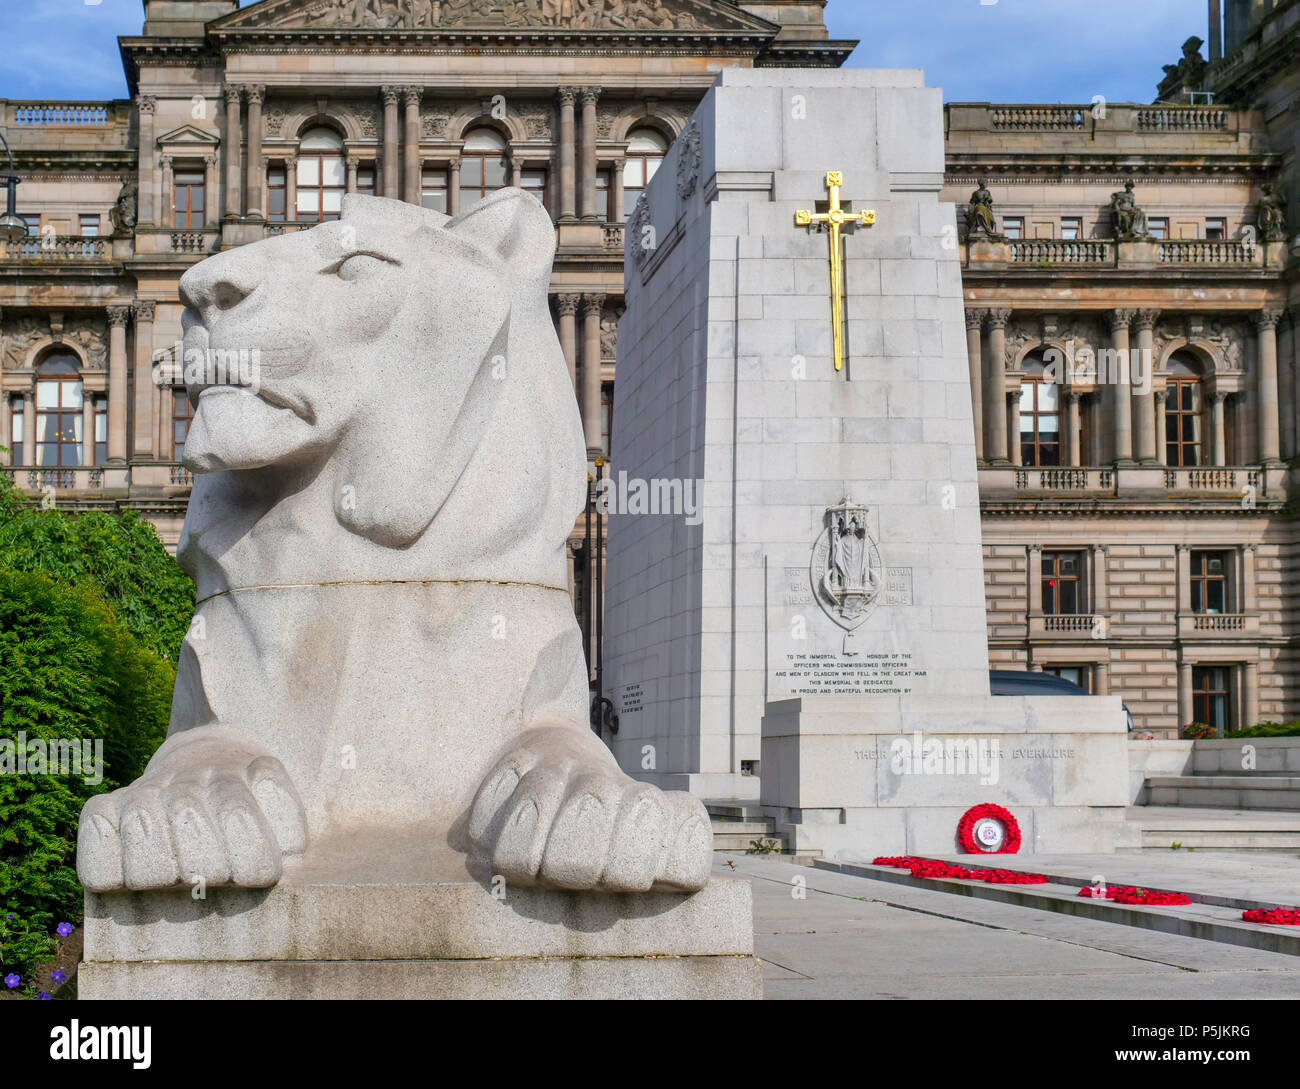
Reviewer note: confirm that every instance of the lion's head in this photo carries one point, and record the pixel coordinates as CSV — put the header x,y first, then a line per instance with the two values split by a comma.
x,y
394,367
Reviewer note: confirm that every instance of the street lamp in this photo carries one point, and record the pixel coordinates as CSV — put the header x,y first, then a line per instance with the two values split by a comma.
x,y
12,226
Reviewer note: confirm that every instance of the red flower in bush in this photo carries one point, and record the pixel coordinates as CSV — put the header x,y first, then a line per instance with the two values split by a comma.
x,y
988,811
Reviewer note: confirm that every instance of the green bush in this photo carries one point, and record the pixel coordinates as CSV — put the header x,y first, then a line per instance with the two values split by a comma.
x,y
1269,729
92,611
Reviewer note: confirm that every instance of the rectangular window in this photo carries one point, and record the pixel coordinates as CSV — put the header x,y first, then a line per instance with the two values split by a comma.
x,y
89,226
433,188
1210,581
366,179
101,430
276,193
182,414
1062,576
602,193
1013,227
1210,697
1216,228
188,195
1158,227
1072,228
33,225
16,432
534,182
1076,674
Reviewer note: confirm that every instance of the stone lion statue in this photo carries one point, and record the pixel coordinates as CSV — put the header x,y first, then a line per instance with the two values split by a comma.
x,y
384,637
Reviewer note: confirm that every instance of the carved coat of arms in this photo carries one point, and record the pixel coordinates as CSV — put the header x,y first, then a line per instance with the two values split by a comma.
x,y
846,572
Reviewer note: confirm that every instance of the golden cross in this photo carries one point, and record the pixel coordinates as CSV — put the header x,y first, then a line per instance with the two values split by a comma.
x,y
836,218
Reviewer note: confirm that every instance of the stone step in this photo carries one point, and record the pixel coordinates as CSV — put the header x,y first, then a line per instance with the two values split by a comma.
x,y
751,828
1158,828
1275,792
1217,921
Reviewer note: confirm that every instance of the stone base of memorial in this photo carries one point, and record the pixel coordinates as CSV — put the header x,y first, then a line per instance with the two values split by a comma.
x,y
856,777
390,916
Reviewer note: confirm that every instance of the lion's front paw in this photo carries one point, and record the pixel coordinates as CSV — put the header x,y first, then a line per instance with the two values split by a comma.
x,y
209,811
558,811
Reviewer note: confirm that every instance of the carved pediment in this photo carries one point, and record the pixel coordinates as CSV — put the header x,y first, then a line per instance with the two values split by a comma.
x,y
566,15
187,136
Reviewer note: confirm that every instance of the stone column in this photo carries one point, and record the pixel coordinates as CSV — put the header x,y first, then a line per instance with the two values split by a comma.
x,y
167,196
1072,452
390,141
29,424
210,216
1266,359
1218,429
1012,401
1144,403
1183,573
1286,384
6,439
592,305
1101,678
231,138
411,151
1034,585
568,200
145,395
1249,591
995,442
975,362
1184,694
453,187
566,306
1162,426
1100,584
590,96
256,168
290,188
1250,694
117,318
163,420
1122,401
146,198
616,198
1216,30
354,164
87,429
516,170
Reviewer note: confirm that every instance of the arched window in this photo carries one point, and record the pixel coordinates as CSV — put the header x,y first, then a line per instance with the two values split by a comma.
x,y
1040,415
646,149
1184,411
483,167
322,175
58,410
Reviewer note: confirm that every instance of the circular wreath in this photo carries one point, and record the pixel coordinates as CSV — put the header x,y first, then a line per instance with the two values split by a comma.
x,y
988,813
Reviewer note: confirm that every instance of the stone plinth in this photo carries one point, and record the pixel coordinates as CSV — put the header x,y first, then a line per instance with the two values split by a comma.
x,y
856,777
392,915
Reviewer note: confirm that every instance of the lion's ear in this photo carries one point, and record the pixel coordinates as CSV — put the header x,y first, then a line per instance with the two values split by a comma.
x,y
513,226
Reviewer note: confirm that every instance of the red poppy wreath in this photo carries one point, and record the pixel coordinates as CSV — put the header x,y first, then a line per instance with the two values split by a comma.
x,y
988,830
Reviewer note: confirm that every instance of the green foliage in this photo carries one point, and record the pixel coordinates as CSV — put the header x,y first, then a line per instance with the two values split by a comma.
x,y
764,847
118,554
1269,729
92,612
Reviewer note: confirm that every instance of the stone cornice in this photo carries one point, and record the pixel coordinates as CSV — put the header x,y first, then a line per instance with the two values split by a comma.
x,y
967,167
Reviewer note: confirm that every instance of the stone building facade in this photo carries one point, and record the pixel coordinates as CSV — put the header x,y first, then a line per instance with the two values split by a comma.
x,y
1159,512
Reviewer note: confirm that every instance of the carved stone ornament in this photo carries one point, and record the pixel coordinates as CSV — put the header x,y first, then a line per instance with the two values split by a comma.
x,y
688,161
846,572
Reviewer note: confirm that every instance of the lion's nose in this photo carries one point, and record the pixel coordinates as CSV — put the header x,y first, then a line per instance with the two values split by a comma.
x,y
216,286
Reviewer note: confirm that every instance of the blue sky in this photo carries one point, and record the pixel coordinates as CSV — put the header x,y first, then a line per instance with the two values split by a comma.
x,y
1005,51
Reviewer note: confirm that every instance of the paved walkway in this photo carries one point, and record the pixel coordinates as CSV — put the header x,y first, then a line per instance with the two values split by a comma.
x,y
853,937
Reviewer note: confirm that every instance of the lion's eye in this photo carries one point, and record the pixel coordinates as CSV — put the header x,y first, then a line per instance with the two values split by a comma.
x,y
358,266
